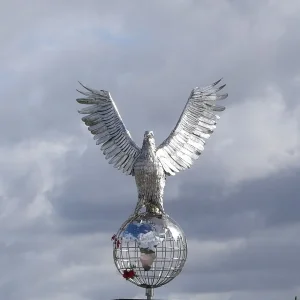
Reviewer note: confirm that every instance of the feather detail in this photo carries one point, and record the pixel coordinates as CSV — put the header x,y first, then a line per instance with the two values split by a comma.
x,y
196,123
105,123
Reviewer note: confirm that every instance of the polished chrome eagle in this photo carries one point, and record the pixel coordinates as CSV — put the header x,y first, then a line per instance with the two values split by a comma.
x,y
150,165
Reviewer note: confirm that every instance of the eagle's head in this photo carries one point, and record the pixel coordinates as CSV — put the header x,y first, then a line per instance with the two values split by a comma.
x,y
149,140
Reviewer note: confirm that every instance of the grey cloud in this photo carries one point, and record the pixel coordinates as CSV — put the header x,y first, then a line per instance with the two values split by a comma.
x,y
149,56
253,206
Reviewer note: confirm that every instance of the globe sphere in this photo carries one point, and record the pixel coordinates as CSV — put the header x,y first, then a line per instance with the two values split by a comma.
x,y
152,247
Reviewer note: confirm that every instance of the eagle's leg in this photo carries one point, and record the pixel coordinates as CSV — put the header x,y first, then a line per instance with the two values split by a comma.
x,y
155,206
151,206
157,209
139,206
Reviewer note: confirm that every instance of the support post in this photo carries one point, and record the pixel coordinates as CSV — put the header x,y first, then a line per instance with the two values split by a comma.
x,y
149,293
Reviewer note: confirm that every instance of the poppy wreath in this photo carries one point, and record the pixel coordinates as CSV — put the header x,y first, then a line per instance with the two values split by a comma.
x,y
129,274
116,241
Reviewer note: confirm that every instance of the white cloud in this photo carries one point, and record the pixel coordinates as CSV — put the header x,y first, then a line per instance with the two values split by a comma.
x,y
259,137
286,8
208,253
36,165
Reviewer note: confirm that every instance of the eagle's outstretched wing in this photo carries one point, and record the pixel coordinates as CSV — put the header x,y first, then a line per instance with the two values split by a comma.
x,y
105,123
197,123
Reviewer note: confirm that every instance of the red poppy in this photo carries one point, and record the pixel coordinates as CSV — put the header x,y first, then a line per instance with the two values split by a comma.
x,y
125,274
128,274
113,237
118,243
131,274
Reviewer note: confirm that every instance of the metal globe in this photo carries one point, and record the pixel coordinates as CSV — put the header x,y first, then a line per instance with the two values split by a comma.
x,y
152,247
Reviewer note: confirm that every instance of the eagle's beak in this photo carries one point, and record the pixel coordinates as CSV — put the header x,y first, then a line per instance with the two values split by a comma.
x,y
149,134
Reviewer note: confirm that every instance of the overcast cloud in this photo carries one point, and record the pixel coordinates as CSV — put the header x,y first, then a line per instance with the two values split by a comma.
x,y
238,205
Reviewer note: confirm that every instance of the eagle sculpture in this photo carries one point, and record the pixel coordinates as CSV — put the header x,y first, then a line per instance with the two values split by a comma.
x,y
150,165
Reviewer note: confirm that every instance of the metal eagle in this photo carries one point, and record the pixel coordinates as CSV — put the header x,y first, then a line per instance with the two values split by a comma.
x,y
150,165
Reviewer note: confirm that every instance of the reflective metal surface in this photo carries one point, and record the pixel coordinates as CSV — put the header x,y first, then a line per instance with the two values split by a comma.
x,y
151,165
197,123
158,236
105,123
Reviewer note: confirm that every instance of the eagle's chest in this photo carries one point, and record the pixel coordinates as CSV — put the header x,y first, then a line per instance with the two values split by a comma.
x,y
148,164
148,169
150,178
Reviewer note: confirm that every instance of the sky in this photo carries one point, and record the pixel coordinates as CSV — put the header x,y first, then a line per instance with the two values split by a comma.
x,y
238,204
